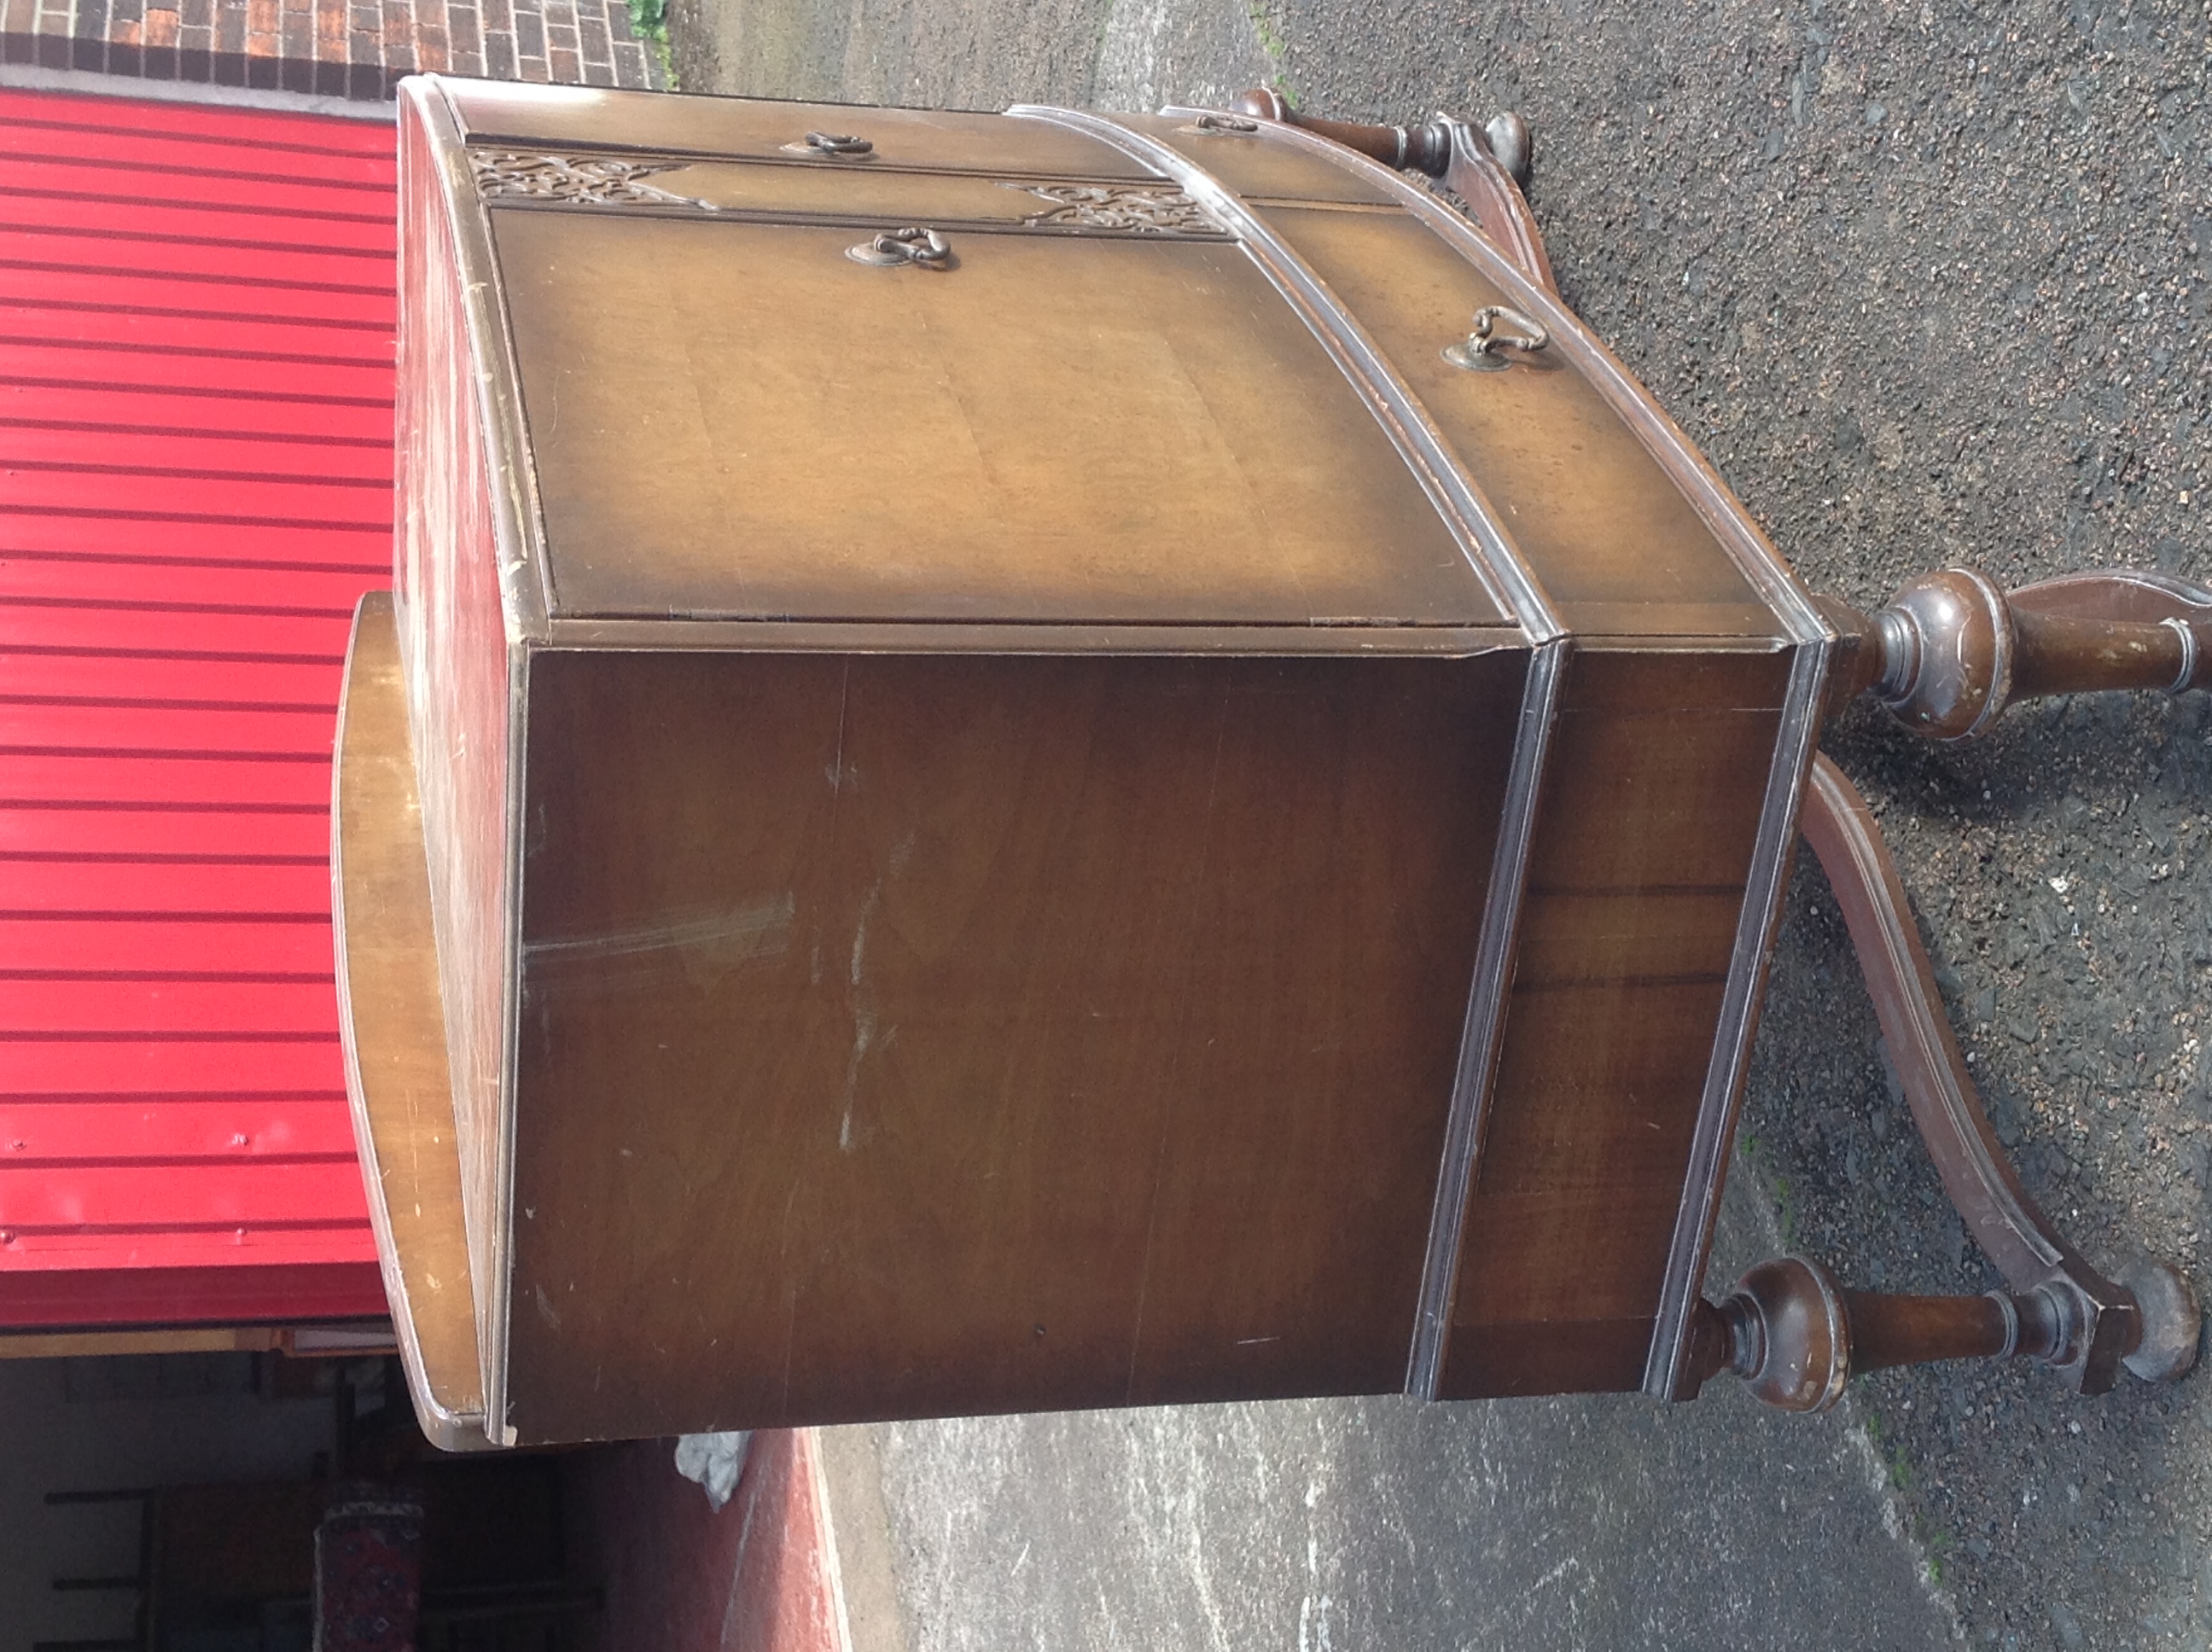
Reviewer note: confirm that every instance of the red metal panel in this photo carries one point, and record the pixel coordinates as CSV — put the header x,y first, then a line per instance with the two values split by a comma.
x,y
136,889
179,947
111,154
32,177
302,593
119,1288
57,1009
164,633
41,245
32,356
258,133
316,421
156,727
253,338
282,786
365,463
123,1069
227,1132
196,330
295,1192
139,216
87,829
154,292
120,533
70,677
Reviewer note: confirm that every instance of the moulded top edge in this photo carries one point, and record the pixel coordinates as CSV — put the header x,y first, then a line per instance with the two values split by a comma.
x,y
754,128
875,637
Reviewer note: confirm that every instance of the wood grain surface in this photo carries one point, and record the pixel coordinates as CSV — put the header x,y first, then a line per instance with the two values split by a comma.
x,y
1614,543
397,1078
454,652
1643,844
911,1036
1055,429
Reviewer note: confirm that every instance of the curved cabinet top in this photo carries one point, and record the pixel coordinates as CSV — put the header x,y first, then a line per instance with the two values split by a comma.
x,y
1155,374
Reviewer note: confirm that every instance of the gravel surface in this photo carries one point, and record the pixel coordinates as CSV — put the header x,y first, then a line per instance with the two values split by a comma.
x,y
1927,288
1596,1524
1931,289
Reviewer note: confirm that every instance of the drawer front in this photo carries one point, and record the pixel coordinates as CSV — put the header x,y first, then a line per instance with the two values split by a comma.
x,y
572,178
1614,542
1257,167
493,112
736,420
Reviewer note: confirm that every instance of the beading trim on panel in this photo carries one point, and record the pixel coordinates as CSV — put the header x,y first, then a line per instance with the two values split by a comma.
x,y
1485,1018
773,636
1676,456
1715,1132
1504,572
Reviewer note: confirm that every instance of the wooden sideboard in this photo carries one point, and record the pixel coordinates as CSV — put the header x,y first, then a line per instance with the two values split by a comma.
x,y
1039,760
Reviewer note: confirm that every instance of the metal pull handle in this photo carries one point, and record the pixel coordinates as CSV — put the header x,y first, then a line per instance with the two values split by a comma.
x,y
896,246
1480,354
832,143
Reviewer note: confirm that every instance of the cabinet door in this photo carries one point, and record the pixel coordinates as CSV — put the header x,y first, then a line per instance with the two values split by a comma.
x,y
737,420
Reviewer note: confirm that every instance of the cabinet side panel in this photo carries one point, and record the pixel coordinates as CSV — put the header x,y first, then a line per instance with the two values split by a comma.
x,y
908,1036
453,639
1644,840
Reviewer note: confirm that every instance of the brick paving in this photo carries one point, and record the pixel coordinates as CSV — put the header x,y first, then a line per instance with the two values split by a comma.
x,y
337,48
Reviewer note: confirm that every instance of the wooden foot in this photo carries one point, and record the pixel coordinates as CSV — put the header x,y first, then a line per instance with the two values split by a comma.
x,y
1485,169
1797,1336
1952,651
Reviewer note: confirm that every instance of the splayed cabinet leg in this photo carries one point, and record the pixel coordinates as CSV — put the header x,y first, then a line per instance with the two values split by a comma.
x,y
1796,1337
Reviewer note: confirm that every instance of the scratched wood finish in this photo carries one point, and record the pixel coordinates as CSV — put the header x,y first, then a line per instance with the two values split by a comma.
x,y
1643,844
962,803
454,650
923,1036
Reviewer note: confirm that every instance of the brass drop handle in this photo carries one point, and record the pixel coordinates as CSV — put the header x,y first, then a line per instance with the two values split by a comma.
x,y
1480,352
843,144
894,248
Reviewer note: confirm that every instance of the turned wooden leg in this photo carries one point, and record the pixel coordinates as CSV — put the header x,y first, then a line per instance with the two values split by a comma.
x,y
1952,651
1798,1337
1485,169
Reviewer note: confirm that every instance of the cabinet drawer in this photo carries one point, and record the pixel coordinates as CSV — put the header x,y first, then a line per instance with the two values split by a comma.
x,y
934,140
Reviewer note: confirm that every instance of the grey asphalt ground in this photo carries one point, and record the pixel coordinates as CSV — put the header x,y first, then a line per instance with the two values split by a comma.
x,y
1929,284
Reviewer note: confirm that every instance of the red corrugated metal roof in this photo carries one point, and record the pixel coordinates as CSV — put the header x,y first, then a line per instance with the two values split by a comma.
x,y
196,377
